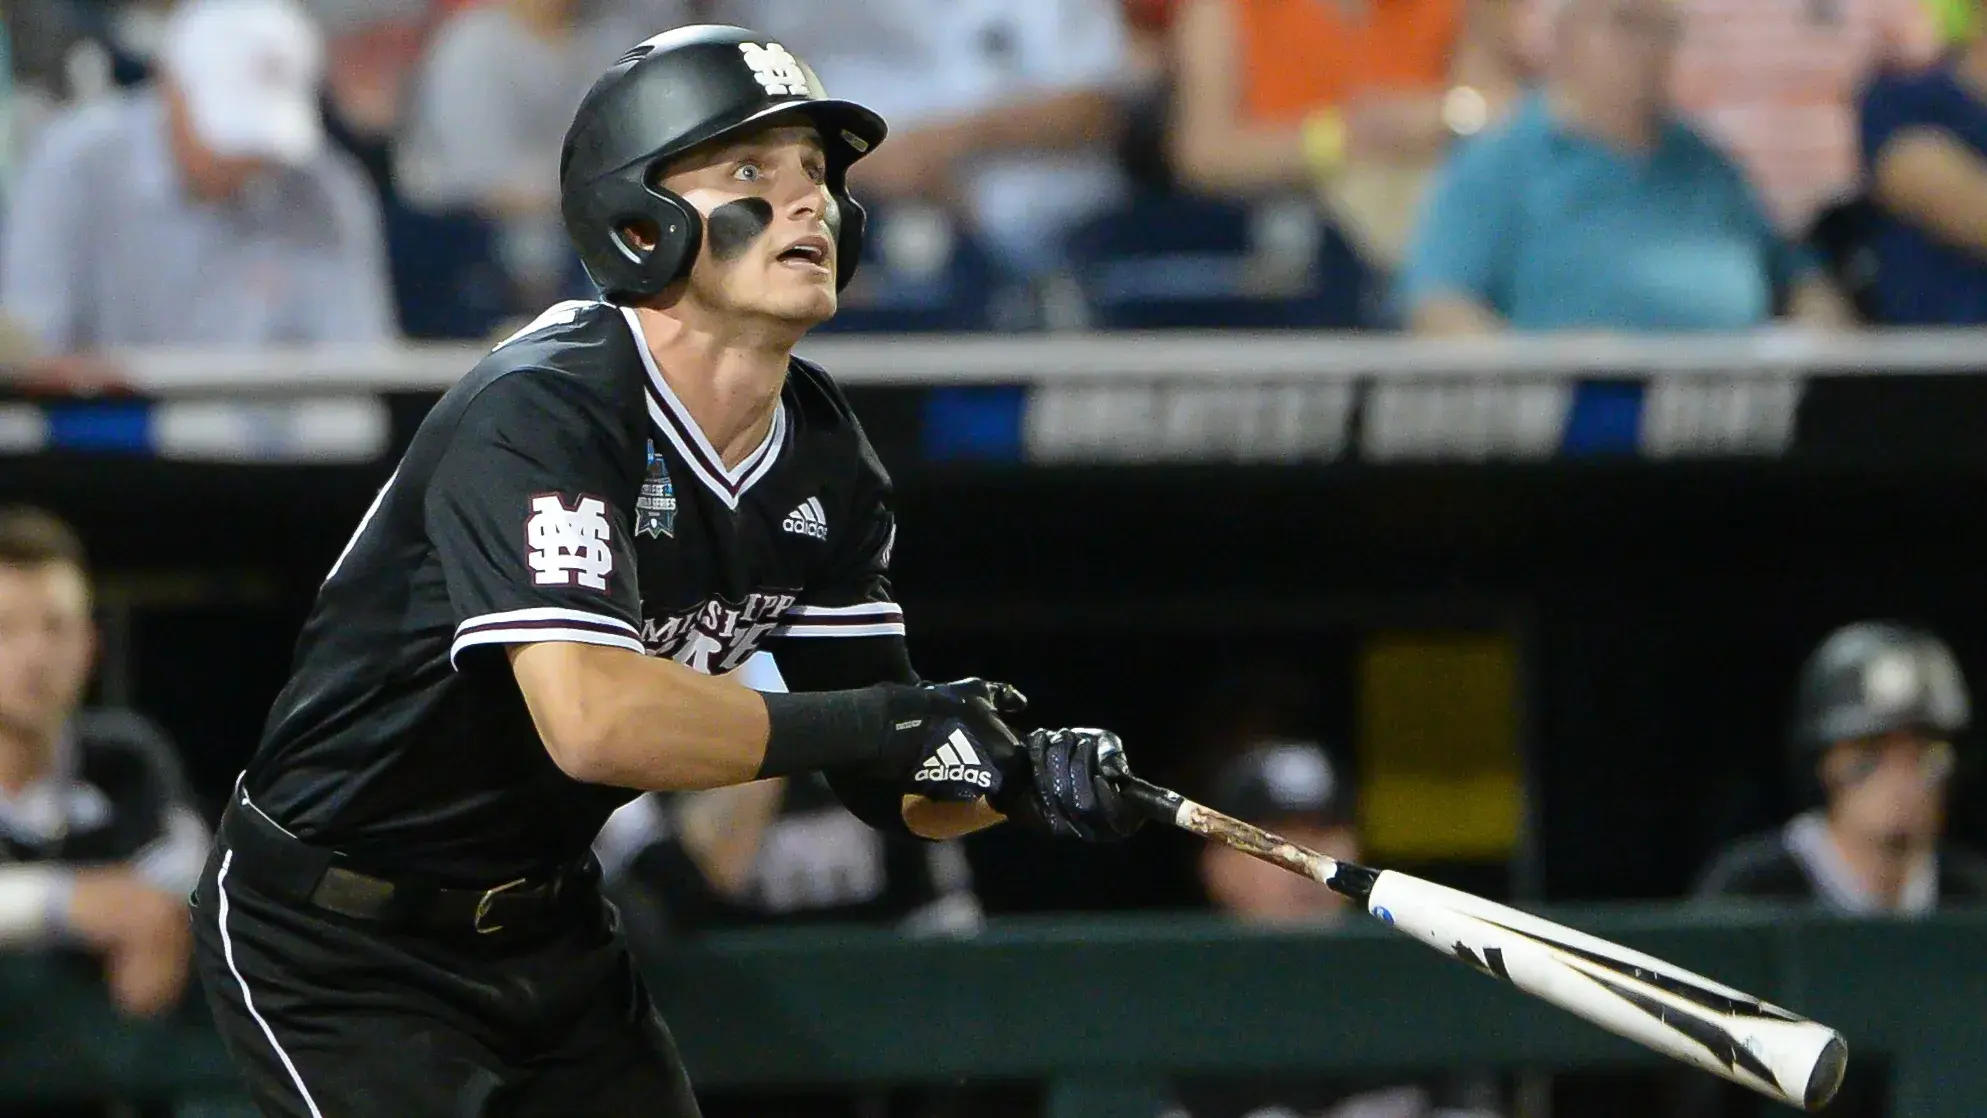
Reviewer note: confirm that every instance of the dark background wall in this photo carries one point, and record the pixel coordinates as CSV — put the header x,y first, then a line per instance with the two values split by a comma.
x,y
1662,610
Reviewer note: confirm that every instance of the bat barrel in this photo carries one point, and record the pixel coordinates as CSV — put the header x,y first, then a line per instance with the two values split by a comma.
x,y
1678,1013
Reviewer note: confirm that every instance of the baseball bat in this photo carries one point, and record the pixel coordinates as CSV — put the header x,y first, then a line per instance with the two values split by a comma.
x,y
1683,1015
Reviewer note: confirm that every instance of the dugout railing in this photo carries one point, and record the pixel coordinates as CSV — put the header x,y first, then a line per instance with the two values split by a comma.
x,y
1160,996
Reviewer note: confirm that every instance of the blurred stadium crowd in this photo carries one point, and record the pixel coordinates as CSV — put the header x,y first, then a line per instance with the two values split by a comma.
x,y
351,170
244,173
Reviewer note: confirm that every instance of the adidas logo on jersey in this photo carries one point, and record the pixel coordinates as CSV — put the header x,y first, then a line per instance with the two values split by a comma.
x,y
956,761
807,520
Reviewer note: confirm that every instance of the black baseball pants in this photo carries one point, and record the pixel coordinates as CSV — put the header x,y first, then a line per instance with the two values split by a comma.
x,y
328,1017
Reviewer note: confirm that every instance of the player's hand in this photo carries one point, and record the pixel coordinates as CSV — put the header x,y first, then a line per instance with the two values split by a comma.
x,y
142,934
1065,788
949,742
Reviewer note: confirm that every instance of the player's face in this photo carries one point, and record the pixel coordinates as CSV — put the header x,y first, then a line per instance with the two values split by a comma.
x,y
1253,890
769,226
1889,790
46,645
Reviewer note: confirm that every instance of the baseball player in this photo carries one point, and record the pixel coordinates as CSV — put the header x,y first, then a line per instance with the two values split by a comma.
x,y
1877,711
534,621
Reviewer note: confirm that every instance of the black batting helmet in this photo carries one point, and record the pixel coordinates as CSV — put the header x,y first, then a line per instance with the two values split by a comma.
x,y
1878,677
671,93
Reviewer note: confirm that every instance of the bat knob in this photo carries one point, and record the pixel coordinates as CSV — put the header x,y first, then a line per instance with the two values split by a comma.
x,y
1114,765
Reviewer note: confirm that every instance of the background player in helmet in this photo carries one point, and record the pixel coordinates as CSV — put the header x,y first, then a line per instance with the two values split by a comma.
x,y
617,507
1879,711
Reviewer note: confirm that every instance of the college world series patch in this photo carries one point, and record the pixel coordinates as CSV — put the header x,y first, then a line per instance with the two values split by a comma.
x,y
655,506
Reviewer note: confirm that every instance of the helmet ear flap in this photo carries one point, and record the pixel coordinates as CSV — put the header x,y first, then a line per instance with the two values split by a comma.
x,y
851,226
623,269
679,234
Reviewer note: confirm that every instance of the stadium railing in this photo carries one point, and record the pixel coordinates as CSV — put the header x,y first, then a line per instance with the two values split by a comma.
x,y
1202,356
1160,996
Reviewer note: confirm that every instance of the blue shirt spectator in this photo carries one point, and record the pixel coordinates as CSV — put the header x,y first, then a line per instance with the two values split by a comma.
x,y
1925,142
1594,208
1553,230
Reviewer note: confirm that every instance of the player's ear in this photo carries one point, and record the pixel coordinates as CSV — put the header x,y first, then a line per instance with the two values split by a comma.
x,y
641,233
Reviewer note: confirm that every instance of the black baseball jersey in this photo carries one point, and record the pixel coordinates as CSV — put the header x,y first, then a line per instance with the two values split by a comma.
x,y
116,797
561,492
1789,864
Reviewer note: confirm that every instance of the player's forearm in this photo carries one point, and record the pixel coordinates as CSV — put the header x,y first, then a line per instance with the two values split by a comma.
x,y
610,716
615,717
943,819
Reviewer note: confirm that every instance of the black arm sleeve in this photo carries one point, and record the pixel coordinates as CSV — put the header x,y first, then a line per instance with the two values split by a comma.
x,y
527,509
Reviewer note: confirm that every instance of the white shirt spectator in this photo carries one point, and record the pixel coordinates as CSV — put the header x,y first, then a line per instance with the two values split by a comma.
x,y
107,246
922,63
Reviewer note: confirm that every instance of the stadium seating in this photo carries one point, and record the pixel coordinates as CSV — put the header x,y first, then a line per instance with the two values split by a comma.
x,y
1177,261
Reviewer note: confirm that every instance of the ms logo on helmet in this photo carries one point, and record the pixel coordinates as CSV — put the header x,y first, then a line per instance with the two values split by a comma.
x,y
775,69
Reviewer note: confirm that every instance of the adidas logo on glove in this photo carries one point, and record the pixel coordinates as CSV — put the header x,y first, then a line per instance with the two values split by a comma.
x,y
956,761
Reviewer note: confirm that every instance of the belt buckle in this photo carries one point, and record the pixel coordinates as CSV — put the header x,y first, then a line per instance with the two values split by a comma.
x,y
484,903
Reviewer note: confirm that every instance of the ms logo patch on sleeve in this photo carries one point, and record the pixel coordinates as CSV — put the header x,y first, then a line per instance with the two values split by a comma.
x,y
568,545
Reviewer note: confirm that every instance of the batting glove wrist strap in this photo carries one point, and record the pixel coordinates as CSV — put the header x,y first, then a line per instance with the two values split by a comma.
x,y
827,729
943,741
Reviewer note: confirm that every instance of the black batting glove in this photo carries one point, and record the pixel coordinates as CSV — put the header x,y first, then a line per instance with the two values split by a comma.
x,y
1064,788
947,740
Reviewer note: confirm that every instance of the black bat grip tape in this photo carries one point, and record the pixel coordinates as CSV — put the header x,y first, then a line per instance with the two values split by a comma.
x,y
1156,802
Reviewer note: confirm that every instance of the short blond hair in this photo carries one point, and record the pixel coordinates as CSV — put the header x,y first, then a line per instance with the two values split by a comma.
x,y
32,537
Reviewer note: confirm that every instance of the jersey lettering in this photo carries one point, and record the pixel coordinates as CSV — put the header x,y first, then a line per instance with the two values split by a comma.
x,y
696,652
569,544
716,637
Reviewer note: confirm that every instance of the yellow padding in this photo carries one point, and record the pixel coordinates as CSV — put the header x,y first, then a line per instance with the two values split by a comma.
x,y
1441,775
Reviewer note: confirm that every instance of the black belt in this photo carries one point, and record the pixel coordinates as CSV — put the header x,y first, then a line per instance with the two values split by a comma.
x,y
285,867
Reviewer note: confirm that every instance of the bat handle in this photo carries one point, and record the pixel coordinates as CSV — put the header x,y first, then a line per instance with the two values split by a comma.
x,y
1154,802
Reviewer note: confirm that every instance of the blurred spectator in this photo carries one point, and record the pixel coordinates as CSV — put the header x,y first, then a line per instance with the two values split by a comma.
x,y
1295,789
1879,710
778,851
1925,143
1594,207
6,111
1354,99
202,210
35,36
490,113
447,281
1774,83
372,49
1003,112
98,841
